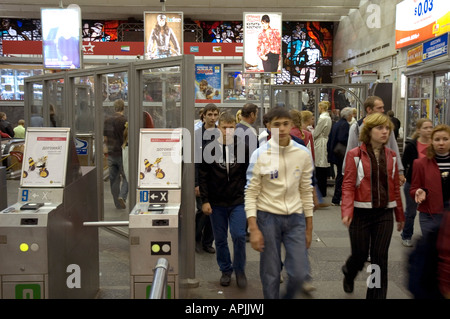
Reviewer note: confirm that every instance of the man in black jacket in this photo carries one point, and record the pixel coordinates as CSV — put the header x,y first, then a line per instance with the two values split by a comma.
x,y
222,180
339,135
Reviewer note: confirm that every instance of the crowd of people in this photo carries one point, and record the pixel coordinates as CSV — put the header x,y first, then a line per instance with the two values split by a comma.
x,y
264,188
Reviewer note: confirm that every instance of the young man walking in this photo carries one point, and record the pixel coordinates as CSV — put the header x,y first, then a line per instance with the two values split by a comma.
x,y
279,206
222,182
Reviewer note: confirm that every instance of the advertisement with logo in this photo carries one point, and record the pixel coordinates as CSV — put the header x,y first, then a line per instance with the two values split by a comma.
x,y
262,42
163,34
45,158
160,158
208,78
61,38
420,20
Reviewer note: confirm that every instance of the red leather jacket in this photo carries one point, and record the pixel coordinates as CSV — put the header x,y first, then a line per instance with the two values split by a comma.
x,y
426,175
357,186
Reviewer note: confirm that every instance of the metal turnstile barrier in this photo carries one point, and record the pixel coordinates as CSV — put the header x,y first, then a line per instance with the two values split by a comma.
x,y
45,251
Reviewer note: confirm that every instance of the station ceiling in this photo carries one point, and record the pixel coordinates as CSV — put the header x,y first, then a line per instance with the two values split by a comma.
x,y
206,10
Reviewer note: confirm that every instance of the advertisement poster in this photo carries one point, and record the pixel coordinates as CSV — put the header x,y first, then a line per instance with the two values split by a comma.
x,y
61,32
163,34
45,158
420,20
208,84
262,42
160,158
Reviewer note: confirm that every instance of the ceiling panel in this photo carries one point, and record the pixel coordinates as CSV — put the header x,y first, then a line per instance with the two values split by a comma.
x,y
292,10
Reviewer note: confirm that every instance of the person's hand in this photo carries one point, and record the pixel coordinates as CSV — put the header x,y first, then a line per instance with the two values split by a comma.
x,y
197,191
402,179
257,240
420,196
206,209
400,226
346,220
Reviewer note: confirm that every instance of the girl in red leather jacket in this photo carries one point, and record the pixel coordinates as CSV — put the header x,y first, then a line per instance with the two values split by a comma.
x,y
370,197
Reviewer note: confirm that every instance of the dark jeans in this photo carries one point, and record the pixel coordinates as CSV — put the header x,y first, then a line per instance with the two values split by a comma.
x,y
203,229
322,175
117,179
410,213
338,185
371,231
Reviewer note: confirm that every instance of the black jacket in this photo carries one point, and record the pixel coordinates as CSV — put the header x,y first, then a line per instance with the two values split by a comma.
x,y
222,184
409,155
338,134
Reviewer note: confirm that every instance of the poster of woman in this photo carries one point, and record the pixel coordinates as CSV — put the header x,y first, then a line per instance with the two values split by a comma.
x,y
163,34
262,42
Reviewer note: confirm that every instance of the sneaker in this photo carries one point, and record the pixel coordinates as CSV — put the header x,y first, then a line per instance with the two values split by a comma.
x,y
407,242
334,204
308,287
225,279
209,249
122,204
347,283
241,280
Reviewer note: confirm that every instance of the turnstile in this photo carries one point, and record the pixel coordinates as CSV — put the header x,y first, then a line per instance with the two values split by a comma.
x,y
45,251
153,222
3,188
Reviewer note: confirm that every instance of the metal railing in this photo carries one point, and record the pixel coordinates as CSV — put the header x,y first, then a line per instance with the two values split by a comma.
x,y
159,285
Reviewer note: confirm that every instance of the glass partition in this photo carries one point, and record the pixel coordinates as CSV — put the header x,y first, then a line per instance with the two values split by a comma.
x,y
161,97
36,109
115,117
84,109
418,101
56,103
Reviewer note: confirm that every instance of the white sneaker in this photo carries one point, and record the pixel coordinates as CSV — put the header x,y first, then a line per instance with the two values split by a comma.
x,y
407,242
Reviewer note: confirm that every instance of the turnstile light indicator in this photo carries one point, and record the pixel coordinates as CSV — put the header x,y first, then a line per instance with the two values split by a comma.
x,y
156,248
24,247
161,247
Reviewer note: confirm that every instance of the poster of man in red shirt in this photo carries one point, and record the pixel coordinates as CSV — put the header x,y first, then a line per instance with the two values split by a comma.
x,y
262,42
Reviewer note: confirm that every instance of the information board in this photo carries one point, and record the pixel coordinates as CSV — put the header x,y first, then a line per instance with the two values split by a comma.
x,y
45,157
160,158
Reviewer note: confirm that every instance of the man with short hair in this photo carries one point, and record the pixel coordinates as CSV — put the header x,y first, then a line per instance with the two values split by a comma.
x,y
204,236
279,206
222,179
372,104
245,129
113,139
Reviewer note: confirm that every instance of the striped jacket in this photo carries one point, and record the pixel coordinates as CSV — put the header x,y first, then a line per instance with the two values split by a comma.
x,y
357,184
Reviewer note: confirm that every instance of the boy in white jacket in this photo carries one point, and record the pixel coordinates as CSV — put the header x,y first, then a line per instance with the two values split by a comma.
x,y
279,206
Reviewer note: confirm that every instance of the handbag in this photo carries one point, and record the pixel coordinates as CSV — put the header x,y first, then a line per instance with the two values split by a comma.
x,y
339,150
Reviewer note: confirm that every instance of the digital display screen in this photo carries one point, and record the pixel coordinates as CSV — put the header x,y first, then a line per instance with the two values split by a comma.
x,y
61,30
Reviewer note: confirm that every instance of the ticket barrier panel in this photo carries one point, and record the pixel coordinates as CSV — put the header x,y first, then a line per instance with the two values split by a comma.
x,y
153,229
3,188
45,251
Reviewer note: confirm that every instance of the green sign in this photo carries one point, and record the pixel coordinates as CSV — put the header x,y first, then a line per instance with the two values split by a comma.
x,y
28,291
168,291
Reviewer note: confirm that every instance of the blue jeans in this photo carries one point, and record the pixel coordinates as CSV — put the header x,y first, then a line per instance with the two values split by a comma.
x,y
410,213
116,175
429,222
289,230
235,217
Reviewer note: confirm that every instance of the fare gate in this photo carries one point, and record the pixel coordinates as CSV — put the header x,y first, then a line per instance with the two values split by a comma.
x,y
45,252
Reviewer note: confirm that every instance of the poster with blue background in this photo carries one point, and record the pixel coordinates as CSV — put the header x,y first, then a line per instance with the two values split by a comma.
x,y
208,83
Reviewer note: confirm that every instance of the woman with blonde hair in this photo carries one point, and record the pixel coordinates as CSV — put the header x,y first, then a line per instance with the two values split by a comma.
x,y
299,132
320,137
415,148
370,194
